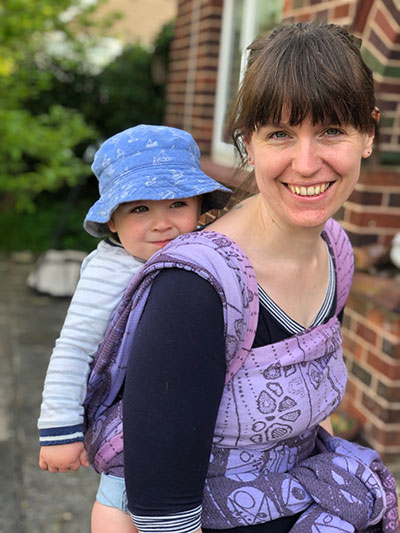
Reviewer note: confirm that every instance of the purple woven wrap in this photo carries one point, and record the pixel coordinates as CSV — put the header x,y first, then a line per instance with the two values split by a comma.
x,y
269,456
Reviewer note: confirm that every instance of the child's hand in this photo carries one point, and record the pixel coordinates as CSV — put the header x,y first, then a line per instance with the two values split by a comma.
x,y
63,457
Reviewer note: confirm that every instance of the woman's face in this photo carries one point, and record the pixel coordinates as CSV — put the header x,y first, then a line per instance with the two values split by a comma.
x,y
305,173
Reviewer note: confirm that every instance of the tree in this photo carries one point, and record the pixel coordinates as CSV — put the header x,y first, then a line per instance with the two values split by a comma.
x,y
37,150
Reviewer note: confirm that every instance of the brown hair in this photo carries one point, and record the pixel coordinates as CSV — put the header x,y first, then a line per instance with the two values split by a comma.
x,y
308,70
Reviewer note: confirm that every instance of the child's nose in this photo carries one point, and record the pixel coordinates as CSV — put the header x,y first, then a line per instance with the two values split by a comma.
x,y
161,223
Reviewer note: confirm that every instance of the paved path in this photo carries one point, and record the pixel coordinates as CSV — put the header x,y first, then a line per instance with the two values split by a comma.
x,y
32,501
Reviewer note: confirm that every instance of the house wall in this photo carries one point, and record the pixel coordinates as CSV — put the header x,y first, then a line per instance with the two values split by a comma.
x,y
371,327
193,69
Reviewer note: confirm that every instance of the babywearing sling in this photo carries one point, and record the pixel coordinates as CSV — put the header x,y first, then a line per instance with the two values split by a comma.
x,y
317,484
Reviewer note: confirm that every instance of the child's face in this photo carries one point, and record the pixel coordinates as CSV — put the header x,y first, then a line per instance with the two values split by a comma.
x,y
145,226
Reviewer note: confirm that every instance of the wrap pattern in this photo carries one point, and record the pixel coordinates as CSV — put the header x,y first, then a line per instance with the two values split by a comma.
x,y
269,456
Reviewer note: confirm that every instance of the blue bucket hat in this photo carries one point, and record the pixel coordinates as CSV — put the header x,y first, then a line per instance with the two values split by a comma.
x,y
149,163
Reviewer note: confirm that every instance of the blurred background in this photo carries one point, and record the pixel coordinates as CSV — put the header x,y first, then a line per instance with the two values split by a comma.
x,y
74,72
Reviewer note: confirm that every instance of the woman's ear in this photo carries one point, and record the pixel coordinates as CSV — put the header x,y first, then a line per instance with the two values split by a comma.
x,y
371,136
367,151
250,159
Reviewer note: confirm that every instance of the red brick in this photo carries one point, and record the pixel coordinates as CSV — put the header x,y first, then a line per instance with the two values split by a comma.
x,y
390,371
304,17
386,437
380,178
391,349
360,372
376,317
384,414
381,20
388,392
341,11
367,334
360,19
366,198
375,220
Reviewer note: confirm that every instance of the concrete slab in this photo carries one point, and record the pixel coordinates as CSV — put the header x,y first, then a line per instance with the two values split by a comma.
x,y
32,501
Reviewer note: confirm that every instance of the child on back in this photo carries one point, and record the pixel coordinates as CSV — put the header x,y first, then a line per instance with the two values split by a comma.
x,y
151,190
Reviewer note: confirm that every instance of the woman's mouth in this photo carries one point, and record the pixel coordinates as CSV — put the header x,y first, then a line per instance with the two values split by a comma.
x,y
312,190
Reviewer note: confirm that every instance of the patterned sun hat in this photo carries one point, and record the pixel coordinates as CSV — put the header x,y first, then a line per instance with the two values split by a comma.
x,y
149,163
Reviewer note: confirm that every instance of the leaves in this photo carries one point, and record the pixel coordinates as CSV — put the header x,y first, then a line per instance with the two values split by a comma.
x,y
37,150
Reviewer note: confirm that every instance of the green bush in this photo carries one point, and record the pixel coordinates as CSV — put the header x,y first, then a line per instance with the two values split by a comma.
x,y
46,141
53,225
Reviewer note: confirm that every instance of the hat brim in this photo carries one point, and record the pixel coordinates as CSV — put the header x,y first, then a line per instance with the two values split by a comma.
x,y
132,187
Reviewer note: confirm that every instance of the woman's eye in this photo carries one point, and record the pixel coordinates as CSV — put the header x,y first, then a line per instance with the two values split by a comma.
x,y
333,131
139,209
278,135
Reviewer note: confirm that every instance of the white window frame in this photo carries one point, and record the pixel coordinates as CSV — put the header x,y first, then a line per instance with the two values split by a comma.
x,y
223,152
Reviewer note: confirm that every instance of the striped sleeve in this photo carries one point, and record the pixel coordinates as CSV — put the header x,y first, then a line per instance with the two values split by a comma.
x,y
104,277
184,522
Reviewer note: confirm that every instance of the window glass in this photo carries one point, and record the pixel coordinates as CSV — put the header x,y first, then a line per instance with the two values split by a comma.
x,y
242,21
269,14
236,51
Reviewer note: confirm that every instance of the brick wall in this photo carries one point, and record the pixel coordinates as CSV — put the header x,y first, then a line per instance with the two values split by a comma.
x,y
372,213
371,345
193,69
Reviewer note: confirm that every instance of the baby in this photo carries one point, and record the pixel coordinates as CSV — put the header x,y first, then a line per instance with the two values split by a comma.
x,y
151,190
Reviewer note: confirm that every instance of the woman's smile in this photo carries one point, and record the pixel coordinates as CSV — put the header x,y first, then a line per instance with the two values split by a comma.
x,y
309,190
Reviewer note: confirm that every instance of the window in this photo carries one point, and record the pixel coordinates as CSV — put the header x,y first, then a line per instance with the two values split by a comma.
x,y
242,21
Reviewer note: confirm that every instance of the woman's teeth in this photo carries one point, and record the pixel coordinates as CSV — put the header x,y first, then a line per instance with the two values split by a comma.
x,y
313,190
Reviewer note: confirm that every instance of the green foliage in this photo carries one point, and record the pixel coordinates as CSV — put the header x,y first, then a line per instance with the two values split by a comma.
x,y
51,226
125,93
37,153
36,150
51,108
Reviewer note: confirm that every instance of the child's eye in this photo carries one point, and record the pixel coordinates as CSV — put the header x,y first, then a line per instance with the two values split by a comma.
x,y
139,209
179,203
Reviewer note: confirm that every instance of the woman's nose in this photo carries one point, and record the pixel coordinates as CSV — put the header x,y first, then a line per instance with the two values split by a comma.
x,y
306,160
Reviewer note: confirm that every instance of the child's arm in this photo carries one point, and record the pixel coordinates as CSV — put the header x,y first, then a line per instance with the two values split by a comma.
x,y
105,275
63,457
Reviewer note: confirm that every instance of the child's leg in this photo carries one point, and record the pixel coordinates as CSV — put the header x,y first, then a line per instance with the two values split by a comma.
x,y
110,511
107,519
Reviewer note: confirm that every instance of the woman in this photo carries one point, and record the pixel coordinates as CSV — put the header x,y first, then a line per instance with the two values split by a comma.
x,y
236,356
